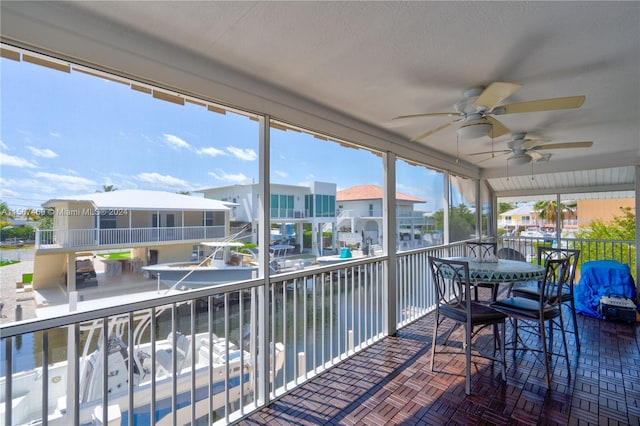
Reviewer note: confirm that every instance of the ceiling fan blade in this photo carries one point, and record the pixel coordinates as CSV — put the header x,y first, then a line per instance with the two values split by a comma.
x,y
536,156
432,131
584,144
497,128
530,143
541,105
500,151
495,93
428,114
497,154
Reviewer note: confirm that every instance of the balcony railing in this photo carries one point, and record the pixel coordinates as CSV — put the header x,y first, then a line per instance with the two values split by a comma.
x,y
623,251
83,238
402,214
277,213
218,353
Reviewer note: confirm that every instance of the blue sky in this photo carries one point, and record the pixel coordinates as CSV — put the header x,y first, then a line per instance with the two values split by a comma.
x,y
72,133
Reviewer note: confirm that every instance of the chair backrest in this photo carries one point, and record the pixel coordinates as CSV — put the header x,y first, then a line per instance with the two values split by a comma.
x,y
546,253
481,250
511,254
451,282
556,275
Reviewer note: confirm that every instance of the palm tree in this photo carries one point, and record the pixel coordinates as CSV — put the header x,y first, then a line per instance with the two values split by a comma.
x,y
548,210
32,215
5,212
108,188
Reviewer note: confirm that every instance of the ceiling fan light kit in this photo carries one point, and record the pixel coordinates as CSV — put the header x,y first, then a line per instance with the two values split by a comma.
x,y
474,130
519,159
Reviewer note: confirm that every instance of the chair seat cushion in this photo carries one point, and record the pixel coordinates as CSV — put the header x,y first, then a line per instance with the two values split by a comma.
x,y
480,313
525,307
533,292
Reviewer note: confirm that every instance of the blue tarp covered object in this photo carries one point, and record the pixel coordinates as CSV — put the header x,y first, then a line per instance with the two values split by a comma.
x,y
345,253
600,278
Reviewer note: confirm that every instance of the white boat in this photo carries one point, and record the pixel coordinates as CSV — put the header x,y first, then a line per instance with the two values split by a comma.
x,y
532,233
279,262
345,255
221,266
214,357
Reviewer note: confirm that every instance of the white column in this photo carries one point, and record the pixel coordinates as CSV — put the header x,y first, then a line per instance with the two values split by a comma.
x,y
71,272
264,201
445,205
637,224
390,241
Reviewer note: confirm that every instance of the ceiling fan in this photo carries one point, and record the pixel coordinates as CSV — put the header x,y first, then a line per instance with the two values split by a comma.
x,y
526,150
475,111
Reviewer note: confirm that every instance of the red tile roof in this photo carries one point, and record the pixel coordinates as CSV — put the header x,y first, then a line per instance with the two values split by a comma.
x,y
370,192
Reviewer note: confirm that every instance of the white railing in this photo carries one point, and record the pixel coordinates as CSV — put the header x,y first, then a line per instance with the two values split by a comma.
x,y
82,238
277,213
415,289
623,251
313,319
400,214
325,315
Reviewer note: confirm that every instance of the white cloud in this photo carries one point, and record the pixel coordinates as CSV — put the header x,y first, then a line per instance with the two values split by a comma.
x,y
12,161
2,145
7,189
70,171
211,151
175,142
25,188
238,178
162,180
243,154
67,182
281,174
55,135
45,153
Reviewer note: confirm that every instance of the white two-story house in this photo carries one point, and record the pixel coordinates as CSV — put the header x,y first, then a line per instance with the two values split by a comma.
x,y
291,206
360,215
155,226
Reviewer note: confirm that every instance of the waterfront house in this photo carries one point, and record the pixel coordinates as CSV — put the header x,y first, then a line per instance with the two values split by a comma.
x,y
585,211
154,226
291,205
519,218
360,212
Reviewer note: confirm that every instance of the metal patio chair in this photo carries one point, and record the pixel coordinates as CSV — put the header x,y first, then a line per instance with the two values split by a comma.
x,y
454,302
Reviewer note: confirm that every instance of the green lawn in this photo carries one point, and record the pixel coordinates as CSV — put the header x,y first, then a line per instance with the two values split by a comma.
x,y
116,256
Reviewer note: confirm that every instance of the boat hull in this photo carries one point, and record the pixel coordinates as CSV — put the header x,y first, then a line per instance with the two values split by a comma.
x,y
190,275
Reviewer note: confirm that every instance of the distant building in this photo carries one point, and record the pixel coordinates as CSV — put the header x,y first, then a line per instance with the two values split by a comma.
x,y
602,209
360,214
518,219
585,212
291,206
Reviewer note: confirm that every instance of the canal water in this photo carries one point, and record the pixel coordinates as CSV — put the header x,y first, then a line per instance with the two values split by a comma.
x,y
313,316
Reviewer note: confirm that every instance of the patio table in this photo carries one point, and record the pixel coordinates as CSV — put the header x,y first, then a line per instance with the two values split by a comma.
x,y
502,271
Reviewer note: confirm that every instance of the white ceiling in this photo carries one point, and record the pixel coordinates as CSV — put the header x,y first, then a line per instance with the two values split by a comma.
x,y
373,61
